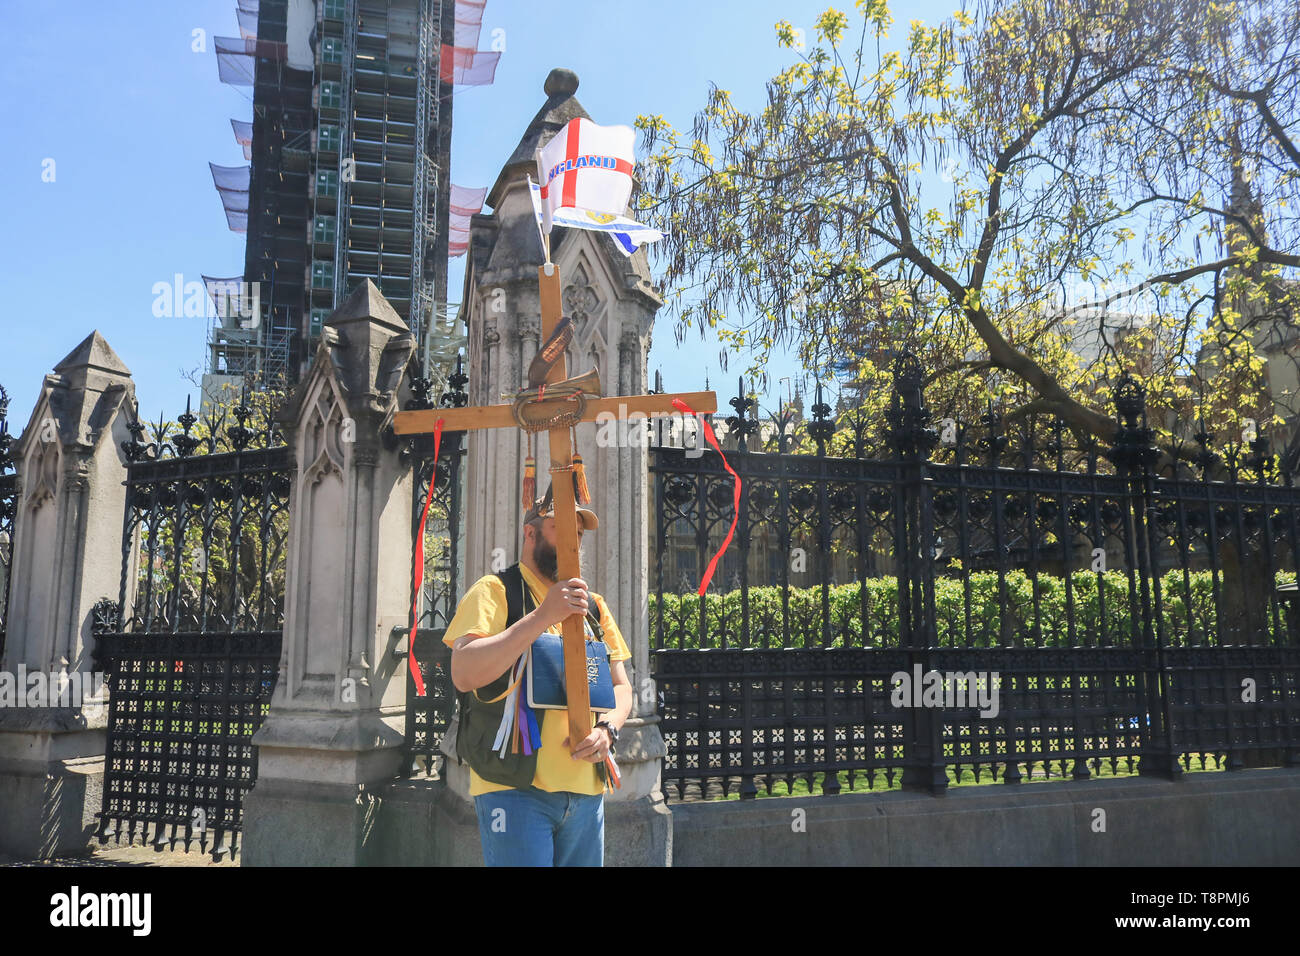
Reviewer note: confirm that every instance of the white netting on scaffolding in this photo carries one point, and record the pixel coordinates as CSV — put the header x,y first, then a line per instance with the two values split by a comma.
x,y
229,296
249,46
464,66
232,186
469,20
235,69
243,136
230,177
300,24
463,203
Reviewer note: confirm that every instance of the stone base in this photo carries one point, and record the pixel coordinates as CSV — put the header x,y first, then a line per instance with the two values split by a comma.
x,y
314,804
292,823
425,822
639,832
47,809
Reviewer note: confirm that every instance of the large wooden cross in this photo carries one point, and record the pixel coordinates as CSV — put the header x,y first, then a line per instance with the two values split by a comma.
x,y
472,418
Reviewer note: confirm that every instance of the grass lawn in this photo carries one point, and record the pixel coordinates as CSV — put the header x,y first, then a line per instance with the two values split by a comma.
x,y
1101,770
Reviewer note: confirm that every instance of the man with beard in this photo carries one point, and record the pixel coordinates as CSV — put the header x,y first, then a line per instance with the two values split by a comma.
x,y
559,820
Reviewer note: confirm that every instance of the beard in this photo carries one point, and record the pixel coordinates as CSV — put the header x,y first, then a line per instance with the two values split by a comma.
x,y
547,560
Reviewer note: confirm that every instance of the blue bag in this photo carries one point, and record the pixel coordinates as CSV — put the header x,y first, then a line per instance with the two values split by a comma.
x,y
545,674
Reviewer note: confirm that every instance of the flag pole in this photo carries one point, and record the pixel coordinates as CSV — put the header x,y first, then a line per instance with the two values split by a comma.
x,y
546,212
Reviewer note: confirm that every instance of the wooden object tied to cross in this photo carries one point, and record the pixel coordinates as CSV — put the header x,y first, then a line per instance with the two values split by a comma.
x,y
534,401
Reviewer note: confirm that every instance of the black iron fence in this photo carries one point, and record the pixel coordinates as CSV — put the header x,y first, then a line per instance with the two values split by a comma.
x,y
428,717
191,647
978,603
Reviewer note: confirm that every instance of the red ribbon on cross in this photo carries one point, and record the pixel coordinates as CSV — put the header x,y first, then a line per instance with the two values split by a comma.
x,y
735,513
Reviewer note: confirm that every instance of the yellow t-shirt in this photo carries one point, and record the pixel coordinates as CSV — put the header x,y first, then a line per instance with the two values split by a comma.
x,y
483,611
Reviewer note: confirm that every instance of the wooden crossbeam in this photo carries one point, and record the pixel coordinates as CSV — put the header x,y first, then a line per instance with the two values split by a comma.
x,y
422,421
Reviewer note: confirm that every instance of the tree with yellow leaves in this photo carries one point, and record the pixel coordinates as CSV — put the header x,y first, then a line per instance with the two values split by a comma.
x,y
1034,197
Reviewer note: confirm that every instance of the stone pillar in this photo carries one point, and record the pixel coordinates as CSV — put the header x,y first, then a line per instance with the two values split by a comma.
x,y
335,727
67,555
613,303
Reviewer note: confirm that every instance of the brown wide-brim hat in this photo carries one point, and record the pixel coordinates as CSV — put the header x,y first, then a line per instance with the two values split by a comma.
x,y
544,507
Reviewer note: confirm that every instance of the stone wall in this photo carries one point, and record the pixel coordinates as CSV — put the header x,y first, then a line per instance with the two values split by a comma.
x,y
1244,818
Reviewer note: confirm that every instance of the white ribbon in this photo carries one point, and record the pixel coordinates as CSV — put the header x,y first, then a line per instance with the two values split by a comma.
x,y
508,716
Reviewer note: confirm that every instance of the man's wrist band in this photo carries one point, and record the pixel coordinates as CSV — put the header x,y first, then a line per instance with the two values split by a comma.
x,y
613,734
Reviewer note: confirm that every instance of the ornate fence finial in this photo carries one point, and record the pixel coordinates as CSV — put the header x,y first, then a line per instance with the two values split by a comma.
x,y
240,434
822,427
456,396
1133,449
134,449
1204,459
741,424
185,443
420,389
910,433
783,419
1130,401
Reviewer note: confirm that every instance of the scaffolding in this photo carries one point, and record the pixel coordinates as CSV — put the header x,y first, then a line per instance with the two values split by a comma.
x,y
425,187
238,345
377,110
349,169
267,199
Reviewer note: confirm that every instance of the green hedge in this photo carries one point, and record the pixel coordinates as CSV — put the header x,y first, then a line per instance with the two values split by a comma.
x,y
988,625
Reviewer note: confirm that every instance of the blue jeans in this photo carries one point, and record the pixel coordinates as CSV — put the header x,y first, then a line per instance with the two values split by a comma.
x,y
535,828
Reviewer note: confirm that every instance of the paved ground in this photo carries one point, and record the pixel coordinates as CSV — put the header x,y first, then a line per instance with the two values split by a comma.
x,y
114,855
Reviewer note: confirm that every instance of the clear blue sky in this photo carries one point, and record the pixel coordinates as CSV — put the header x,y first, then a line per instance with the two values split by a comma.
x,y
131,116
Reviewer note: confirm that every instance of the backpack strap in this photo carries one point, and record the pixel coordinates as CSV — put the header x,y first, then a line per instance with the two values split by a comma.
x,y
513,580
593,616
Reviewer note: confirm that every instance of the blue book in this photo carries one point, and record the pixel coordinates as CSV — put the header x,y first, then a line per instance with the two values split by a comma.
x,y
545,678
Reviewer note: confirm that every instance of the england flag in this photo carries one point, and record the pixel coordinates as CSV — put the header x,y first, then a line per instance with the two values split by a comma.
x,y
586,182
586,168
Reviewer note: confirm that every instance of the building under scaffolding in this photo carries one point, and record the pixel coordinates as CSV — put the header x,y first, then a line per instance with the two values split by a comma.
x,y
349,151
